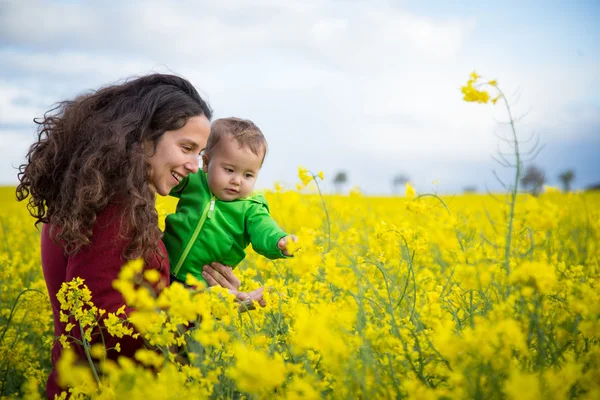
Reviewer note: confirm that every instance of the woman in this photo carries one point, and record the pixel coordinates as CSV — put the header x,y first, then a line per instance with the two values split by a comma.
x,y
91,180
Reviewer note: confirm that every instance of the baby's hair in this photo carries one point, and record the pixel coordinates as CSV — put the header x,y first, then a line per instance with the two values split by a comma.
x,y
245,132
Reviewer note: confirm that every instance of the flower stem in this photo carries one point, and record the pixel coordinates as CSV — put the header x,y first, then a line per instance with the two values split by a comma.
x,y
515,188
326,214
86,349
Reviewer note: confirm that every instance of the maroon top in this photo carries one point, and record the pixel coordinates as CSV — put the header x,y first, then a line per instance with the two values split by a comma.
x,y
99,264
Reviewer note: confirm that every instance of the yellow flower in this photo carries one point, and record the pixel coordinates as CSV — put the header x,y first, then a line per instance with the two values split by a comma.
x,y
321,175
466,276
70,373
355,191
30,389
291,246
64,341
493,82
191,280
302,388
152,275
304,175
116,326
523,386
472,94
538,275
149,358
97,350
410,191
551,189
254,372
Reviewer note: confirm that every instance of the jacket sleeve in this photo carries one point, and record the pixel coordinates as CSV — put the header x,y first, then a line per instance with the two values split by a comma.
x,y
264,231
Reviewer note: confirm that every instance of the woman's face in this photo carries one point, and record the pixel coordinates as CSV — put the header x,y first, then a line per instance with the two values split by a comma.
x,y
177,154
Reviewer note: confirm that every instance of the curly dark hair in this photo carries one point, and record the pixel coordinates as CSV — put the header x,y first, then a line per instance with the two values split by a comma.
x,y
89,153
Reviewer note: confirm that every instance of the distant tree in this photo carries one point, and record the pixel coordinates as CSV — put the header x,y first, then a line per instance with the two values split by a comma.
x,y
340,179
566,177
533,180
399,181
594,186
470,189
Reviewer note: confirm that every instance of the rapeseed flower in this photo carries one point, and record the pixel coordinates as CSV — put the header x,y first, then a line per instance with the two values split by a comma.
x,y
256,373
410,191
472,92
304,175
523,386
537,275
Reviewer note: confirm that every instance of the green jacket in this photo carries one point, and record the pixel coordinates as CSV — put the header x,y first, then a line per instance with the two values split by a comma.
x,y
205,229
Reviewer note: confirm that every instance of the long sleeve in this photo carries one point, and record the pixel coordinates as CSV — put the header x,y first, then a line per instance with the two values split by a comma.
x,y
264,231
99,264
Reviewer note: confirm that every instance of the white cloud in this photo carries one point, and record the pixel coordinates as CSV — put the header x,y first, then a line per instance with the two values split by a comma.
x,y
226,30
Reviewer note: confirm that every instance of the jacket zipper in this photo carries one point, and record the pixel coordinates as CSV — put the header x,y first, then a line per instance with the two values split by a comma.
x,y
208,212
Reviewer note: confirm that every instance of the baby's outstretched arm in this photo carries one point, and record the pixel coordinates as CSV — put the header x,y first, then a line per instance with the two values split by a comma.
x,y
283,245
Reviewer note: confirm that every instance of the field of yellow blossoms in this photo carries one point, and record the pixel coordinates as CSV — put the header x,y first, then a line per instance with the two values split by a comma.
x,y
385,298
420,296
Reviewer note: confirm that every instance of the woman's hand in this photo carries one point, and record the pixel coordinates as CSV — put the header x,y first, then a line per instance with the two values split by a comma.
x,y
248,299
222,275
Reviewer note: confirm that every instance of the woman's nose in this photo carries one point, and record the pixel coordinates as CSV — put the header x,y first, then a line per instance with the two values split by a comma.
x,y
192,165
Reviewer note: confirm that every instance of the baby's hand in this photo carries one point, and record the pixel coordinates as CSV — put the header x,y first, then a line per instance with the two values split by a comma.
x,y
285,247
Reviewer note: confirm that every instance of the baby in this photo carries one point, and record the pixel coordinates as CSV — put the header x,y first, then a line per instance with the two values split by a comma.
x,y
217,215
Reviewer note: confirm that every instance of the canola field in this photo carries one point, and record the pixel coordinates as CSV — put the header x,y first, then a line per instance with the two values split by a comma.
x,y
400,297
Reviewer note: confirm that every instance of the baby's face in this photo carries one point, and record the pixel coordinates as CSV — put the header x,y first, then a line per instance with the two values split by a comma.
x,y
231,170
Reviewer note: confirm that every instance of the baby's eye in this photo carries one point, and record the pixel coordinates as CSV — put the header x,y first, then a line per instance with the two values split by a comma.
x,y
230,170
249,175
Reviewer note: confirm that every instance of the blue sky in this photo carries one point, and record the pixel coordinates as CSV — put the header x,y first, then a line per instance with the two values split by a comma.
x,y
368,87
